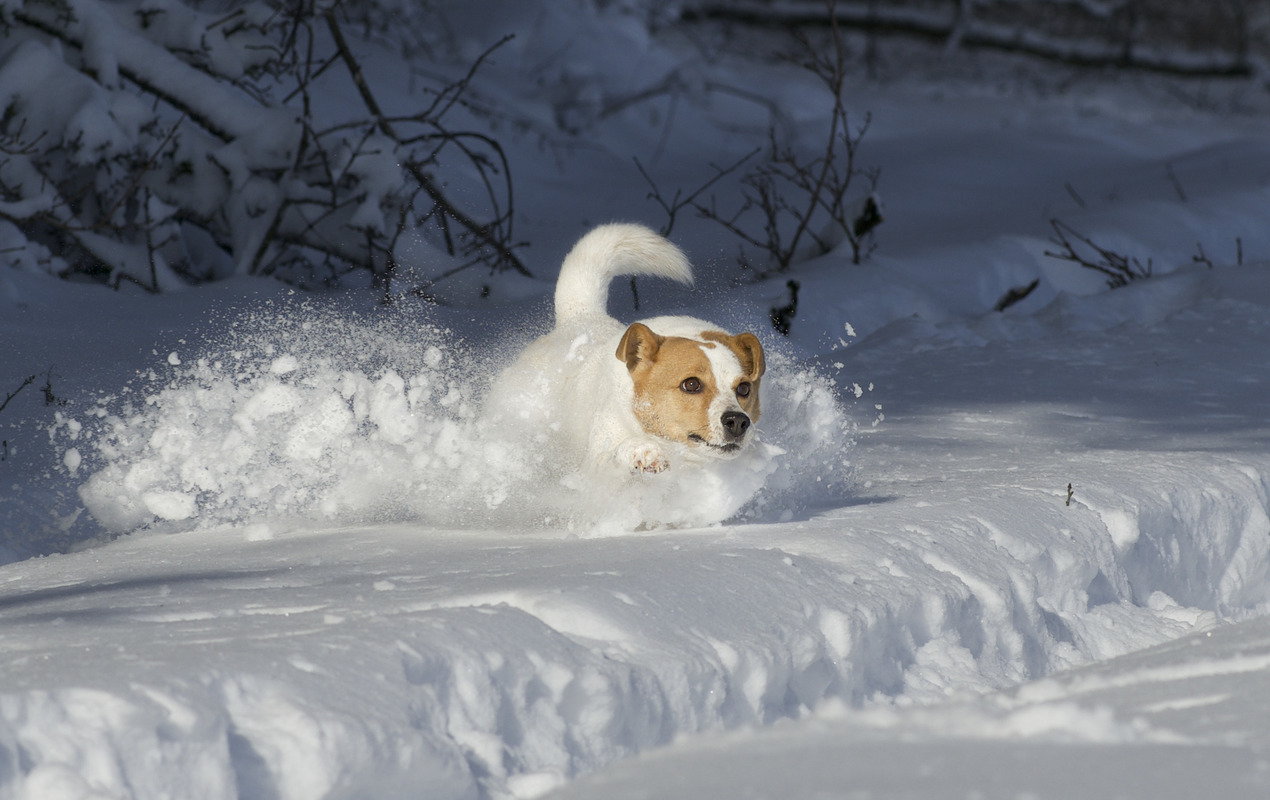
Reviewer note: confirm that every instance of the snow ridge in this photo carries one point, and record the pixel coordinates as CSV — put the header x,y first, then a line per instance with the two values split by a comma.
x,y
538,675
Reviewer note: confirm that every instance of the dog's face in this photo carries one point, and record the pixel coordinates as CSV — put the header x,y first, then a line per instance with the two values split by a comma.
x,y
700,393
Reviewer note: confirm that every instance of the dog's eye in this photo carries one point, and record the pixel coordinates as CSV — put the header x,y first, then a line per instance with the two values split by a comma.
x,y
743,389
691,385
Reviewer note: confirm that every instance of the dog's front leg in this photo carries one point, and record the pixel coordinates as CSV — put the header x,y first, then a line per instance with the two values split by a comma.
x,y
616,438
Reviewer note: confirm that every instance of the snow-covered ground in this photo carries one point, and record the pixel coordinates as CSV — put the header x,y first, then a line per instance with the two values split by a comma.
x,y
1004,554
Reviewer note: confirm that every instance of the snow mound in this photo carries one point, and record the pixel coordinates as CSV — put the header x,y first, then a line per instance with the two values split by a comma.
x,y
307,413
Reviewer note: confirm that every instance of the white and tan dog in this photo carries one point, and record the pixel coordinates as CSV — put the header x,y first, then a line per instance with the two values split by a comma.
x,y
638,397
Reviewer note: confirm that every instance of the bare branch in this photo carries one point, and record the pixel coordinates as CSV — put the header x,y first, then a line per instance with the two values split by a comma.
x,y
1119,268
679,202
279,188
494,236
29,380
804,204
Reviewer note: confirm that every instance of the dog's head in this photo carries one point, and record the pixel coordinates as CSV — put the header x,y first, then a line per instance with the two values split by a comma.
x,y
702,392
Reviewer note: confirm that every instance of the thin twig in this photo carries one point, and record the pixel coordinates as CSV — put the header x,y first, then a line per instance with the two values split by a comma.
x,y
677,203
30,380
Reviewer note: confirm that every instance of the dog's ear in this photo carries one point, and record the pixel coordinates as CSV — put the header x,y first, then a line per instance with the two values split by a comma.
x,y
750,351
639,343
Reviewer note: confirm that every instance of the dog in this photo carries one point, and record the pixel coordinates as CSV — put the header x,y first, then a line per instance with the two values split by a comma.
x,y
638,397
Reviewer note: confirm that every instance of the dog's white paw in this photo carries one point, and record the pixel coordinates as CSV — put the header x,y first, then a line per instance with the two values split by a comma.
x,y
644,457
654,463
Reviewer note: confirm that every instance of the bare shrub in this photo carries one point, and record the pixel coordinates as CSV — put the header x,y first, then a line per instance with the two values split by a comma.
x,y
180,146
794,207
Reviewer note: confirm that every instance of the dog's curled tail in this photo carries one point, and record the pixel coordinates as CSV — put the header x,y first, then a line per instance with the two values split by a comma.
x,y
606,252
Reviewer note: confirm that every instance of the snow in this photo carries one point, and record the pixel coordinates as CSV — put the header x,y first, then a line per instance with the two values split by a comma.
x,y
261,544
1180,720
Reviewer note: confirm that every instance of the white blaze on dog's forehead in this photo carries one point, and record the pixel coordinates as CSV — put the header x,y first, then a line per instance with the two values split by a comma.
x,y
725,366
727,373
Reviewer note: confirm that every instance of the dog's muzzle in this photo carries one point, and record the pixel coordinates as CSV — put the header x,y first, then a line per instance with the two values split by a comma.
x,y
734,424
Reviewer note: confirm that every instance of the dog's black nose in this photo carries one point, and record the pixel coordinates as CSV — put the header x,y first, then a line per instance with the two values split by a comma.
x,y
735,424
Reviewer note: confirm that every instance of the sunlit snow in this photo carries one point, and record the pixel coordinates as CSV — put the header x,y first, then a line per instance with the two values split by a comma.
x,y
262,543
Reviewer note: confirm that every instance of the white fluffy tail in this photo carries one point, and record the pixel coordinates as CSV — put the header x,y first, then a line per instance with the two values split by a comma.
x,y
606,252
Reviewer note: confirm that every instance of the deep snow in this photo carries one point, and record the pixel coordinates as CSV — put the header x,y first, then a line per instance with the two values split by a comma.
x,y
345,587
290,659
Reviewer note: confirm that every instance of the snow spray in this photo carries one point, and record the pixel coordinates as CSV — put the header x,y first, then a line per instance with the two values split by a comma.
x,y
301,412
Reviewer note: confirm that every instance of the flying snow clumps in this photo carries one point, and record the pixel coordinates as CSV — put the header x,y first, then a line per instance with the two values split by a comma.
x,y
306,413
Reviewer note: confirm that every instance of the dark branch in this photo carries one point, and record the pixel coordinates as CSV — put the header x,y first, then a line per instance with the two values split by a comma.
x,y
30,380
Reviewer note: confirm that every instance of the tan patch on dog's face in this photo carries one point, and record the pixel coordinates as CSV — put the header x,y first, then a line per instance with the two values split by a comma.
x,y
684,388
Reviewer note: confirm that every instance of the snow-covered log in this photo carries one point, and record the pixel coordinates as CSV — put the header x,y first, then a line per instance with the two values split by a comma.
x,y
1210,39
